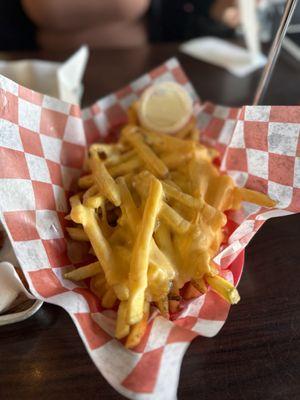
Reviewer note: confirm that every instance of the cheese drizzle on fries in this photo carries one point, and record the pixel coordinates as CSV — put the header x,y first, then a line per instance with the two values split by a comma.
x,y
153,208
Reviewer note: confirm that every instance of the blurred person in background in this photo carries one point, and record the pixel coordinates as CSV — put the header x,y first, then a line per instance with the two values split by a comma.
x,y
66,24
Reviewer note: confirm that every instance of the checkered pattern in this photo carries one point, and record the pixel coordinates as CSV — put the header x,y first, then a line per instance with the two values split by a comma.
x,y
43,142
263,154
217,124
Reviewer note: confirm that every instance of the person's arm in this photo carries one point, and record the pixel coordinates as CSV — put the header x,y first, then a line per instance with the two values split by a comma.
x,y
69,15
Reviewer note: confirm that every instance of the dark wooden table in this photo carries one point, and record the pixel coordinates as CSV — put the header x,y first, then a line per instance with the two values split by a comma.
x,y
257,353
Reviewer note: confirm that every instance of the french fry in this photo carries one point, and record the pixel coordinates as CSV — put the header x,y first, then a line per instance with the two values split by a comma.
x,y
173,219
215,218
98,285
163,239
109,299
77,212
163,142
123,253
214,269
86,216
141,182
141,252
160,271
121,291
216,242
84,272
159,259
128,206
75,202
236,199
77,234
202,154
220,192
158,282
199,263
200,174
172,192
174,160
167,214
171,183
122,328
104,149
120,236
95,201
180,180
122,259
151,160
119,158
255,197
138,330
130,165
106,184
85,181
92,190
223,288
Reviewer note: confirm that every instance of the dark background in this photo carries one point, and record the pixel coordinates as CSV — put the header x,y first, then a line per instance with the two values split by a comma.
x,y
257,353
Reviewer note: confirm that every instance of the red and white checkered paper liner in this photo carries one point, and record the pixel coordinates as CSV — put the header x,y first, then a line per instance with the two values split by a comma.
x,y
43,142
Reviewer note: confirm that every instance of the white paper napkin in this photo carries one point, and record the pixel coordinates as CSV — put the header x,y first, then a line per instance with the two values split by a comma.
x,y
237,60
12,291
61,80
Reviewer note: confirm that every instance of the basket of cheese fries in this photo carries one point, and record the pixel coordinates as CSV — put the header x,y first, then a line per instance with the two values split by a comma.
x,y
137,212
